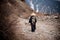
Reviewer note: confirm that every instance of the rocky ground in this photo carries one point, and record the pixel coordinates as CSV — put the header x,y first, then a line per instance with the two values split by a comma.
x,y
47,29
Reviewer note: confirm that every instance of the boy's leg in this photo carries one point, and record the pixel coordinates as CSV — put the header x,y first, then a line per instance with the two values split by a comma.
x,y
32,28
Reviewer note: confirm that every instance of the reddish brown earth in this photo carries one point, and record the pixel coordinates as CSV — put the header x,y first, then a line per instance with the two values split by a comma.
x,y
14,25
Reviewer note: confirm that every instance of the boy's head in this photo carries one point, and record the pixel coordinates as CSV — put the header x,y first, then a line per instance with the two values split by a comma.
x,y
33,14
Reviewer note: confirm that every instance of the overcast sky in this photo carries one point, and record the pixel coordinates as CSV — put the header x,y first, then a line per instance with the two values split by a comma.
x,y
45,6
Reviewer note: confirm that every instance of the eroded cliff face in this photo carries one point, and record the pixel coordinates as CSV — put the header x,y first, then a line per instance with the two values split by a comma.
x,y
14,23
10,11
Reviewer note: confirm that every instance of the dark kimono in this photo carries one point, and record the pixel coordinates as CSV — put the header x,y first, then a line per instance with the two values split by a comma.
x,y
33,21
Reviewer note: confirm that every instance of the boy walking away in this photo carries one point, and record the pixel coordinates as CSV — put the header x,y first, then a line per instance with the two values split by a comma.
x,y
33,21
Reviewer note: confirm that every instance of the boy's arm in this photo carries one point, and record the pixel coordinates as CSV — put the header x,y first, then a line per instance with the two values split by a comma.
x,y
35,20
30,20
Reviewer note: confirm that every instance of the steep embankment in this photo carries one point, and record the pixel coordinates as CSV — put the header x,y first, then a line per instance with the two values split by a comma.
x,y
10,11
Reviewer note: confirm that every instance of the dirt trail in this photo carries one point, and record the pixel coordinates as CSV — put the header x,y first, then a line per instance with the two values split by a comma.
x,y
46,30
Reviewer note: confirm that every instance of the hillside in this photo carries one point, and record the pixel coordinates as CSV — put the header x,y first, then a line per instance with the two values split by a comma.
x,y
14,25
10,11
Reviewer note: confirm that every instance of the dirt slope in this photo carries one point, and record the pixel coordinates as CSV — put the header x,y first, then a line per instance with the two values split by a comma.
x,y
10,11
14,26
